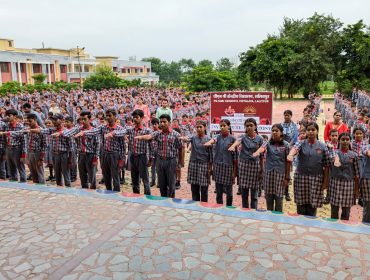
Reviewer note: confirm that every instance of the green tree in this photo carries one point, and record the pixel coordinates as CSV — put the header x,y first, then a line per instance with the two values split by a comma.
x,y
39,78
104,77
224,64
187,65
354,66
205,63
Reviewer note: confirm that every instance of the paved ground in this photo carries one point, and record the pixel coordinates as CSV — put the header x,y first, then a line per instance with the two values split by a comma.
x,y
44,235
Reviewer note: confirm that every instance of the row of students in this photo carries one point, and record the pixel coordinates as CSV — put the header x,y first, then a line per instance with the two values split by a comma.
x,y
224,161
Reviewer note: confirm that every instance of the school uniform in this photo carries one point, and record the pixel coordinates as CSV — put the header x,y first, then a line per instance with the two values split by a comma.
x,y
223,164
113,153
154,148
37,146
198,175
2,158
61,153
342,185
249,169
139,154
308,177
15,147
274,174
365,185
88,149
169,144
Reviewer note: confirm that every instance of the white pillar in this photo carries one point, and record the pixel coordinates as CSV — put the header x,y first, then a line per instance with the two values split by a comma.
x,y
83,67
19,73
73,67
55,73
49,73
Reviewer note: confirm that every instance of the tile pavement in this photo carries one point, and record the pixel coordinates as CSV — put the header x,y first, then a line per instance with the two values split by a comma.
x,y
46,235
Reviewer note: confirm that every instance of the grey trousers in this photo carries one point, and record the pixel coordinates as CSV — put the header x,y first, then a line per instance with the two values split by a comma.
x,y
13,157
111,171
2,165
153,171
274,202
139,170
37,171
87,170
366,212
60,163
166,171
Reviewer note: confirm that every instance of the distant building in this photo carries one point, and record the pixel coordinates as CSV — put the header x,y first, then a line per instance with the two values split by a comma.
x,y
20,65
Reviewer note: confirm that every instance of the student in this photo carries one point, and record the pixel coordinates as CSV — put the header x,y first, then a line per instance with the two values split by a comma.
x,y
225,163
68,122
140,152
332,145
15,146
249,167
277,169
365,184
88,148
200,163
37,147
311,176
49,152
155,127
169,148
113,156
344,180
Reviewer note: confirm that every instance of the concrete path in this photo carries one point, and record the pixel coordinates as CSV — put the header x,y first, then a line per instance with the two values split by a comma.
x,y
57,233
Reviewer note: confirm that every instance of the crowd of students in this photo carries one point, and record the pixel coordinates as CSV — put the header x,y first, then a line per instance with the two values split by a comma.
x,y
144,130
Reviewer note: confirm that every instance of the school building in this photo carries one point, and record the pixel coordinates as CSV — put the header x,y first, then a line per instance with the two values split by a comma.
x,y
72,65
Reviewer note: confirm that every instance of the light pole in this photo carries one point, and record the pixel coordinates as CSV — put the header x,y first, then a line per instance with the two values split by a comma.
x,y
79,64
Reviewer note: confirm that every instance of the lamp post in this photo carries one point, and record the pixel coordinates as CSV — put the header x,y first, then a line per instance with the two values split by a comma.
x,y
79,64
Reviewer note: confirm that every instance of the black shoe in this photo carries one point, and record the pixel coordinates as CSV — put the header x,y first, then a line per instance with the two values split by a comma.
x,y
73,180
178,186
29,177
51,178
152,184
239,192
101,181
122,182
326,200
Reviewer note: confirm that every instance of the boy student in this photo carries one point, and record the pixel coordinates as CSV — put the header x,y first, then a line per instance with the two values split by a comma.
x,y
155,127
68,122
61,149
113,154
169,148
164,109
15,146
140,151
88,147
37,146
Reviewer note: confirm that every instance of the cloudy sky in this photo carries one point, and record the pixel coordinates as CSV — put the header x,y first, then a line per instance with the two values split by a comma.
x,y
168,29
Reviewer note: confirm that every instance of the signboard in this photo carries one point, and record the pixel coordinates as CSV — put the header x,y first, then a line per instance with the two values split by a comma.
x,y
239,106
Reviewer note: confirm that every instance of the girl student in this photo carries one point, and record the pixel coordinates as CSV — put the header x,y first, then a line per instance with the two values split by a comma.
x,y
365,184
225,162
200,163
311,176
249,167
344,180
277,168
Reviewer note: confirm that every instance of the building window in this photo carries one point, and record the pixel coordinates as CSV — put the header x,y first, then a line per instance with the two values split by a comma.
x,y
123,70
23,68
86,68
148,70
37,68
136,70
115,69
129,70
4,66
10,44
141,70
63,69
